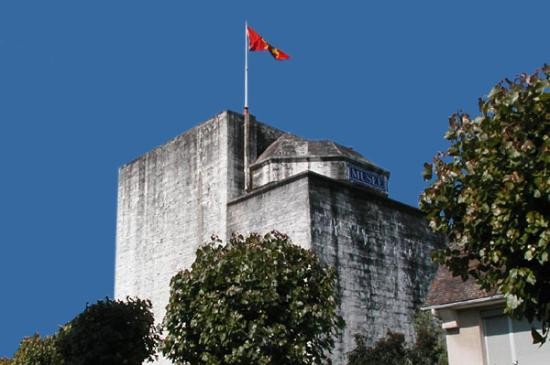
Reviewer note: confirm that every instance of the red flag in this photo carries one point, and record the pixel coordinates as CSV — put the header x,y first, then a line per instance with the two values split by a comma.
x,y
278,54
257,43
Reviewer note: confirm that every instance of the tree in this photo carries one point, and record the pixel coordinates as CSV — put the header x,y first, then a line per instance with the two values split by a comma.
x,y
37,351
429,348
390,350
491,193
257,300
110,332
5,361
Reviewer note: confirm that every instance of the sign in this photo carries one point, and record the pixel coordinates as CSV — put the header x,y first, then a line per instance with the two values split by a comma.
x,y
368,178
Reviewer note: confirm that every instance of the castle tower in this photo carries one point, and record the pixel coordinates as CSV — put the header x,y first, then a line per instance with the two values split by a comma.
x,y
323,195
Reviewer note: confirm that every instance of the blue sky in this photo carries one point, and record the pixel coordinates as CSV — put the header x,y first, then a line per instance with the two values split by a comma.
x,y
88,86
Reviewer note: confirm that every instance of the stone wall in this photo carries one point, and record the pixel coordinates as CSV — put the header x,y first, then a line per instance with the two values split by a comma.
x,y
170,200
175,197
381,249
262,136
274,170
282,207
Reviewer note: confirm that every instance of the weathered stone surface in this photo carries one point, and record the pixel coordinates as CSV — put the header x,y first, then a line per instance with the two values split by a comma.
x,y
380,248
290,155
175,197
282,207
170,200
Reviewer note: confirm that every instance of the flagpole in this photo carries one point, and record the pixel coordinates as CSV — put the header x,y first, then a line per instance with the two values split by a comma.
x,y
246,148
245,66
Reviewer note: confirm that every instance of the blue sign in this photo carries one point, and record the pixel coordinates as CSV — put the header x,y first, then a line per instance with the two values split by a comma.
x,y
368,178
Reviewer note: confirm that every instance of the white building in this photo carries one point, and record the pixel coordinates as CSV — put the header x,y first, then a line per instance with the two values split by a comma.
x,y
326,197
477,331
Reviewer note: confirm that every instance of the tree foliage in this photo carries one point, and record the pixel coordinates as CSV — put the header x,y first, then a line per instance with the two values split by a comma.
x,y
257,300
429,348
37,351
5,361
390,350
110,332
491,193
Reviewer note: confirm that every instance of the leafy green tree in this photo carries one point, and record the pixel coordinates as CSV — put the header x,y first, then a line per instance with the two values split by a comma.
x,y
5,361
491,193
390,350
257,300
110,332
37,351
429,348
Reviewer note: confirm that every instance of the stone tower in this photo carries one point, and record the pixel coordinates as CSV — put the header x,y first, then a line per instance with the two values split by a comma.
x,y
323,195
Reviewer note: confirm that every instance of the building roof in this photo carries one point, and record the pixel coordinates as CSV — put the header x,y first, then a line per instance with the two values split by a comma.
x,y
447,289
291,146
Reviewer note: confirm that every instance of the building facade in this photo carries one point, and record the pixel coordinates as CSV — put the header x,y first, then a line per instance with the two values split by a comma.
x,y
477,331
325,196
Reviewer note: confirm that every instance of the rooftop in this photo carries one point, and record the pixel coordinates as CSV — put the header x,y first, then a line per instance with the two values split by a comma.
x,y
291,146
446,289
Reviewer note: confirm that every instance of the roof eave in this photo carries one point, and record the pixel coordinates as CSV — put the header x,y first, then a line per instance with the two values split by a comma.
x,y
464,304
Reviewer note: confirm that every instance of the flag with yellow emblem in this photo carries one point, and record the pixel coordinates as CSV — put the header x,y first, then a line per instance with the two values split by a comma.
x,y
257,43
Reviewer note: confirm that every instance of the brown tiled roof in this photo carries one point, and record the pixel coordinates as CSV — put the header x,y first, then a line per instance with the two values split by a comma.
x,y
447,288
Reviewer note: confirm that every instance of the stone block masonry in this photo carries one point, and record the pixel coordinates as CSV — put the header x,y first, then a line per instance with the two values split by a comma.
x,y
173,198
176,196
380,248
282,206
169,200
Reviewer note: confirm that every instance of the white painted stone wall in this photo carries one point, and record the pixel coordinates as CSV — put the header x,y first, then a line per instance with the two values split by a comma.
x,y
170,200
175,197
284,208
273,171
